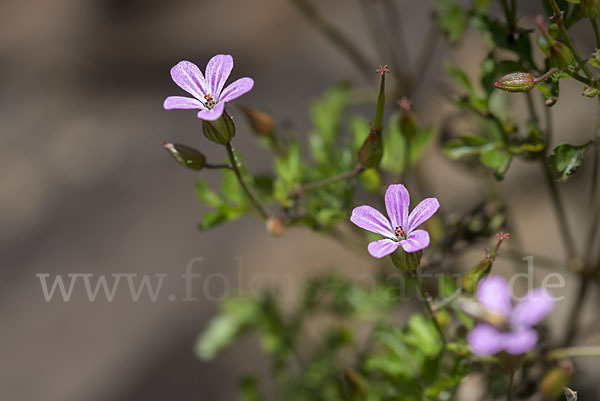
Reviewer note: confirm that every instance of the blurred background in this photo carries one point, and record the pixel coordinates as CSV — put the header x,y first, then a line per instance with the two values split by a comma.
x,y
85,186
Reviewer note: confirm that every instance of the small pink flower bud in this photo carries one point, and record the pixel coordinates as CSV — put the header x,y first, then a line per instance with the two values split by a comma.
x,y
516,82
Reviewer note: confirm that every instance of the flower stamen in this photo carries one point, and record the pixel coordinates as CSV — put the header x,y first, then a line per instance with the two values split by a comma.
x,y
399,232
210,101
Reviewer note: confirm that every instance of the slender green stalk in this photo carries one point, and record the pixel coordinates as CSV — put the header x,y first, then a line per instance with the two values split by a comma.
x,y
596,32
334,36
574,352
236,169
330,180
508,14
558,18
560,212
218,166
509,389
573,319
429,308
581,79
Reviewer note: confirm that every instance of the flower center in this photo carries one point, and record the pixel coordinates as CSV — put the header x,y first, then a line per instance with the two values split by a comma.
x,y
210,101
400,233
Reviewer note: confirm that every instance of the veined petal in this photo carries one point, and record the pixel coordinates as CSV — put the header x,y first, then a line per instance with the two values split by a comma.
x,y
520,342
532,308
494,296
370,219
485,340
417,240
180,102
212,114
422,212
382,247
397,201
188,77
236,89
217,71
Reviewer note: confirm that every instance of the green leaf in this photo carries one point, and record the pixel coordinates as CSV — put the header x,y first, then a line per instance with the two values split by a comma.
x,y
566,159
394,144
249,389
207,196
466,145
236,317
232,189
424,335
498,160
326,112
212,219
451,18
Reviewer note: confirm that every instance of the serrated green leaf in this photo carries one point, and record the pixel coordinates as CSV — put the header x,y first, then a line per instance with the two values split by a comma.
x,y
566,159
326,112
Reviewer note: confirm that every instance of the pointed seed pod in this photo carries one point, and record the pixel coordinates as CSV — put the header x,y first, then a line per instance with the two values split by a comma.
x,y
186,156
516,82
262,123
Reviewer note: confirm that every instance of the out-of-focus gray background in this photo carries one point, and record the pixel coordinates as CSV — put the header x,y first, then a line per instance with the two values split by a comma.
x,y
85,186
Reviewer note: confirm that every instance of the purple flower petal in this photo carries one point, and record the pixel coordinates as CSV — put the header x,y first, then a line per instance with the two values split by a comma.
x,y
370,219
520,341
189,78
217,71
236,89
485,340
532,308
382,247
212,114
422,212
397,201
180,102
417,240
494,296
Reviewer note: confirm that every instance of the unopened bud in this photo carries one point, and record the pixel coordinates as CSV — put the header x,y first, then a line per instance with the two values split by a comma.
x,y
561,56
405,260
262,123
408,119
555,380
371,151
589,8
589,91
186,156
516,82
220,130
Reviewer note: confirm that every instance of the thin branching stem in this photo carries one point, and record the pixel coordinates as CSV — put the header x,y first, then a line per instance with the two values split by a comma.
x,y
251,195
596,32
558,18
335,36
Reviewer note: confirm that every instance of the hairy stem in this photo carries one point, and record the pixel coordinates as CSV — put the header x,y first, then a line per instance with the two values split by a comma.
x,y
236,169
330,180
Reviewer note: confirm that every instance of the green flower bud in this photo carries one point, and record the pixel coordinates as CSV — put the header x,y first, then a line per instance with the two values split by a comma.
x,y
219,131
589,91
408,120
470,280
516,82
186,156
561,56
556,380
371,151
589,8
406,261
262,123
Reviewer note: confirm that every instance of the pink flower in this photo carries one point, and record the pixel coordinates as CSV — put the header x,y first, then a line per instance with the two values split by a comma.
x,y
209,95
401,228
516,336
